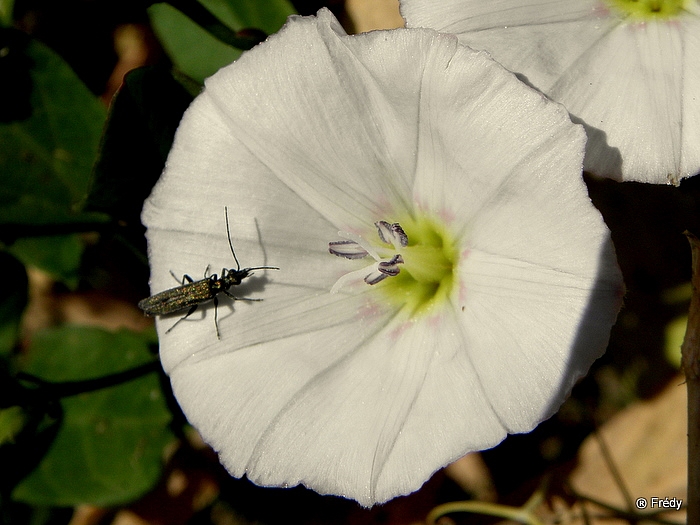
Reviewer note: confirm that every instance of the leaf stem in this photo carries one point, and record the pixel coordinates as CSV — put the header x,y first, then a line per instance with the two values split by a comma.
x,y
524,514
690,360
201,16
10,232
61,389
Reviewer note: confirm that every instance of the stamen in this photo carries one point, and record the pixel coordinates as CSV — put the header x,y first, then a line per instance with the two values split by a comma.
x,y
347,249
357,275
385,269
391,267
359,240
375,277
355,247
392,234
424,270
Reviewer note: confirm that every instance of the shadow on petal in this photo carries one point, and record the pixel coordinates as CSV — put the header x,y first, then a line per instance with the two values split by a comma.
x,y
601,158
593,332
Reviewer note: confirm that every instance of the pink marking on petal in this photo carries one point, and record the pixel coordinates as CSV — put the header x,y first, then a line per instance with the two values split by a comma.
x,y
435,321
462,292
370,310
601,10
396,333
447,216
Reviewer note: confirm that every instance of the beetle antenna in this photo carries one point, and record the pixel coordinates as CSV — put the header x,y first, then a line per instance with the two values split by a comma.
x,y
228,233
262,268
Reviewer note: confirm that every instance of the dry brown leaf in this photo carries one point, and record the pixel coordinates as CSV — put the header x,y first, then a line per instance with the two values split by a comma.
x,y
647,443
473,477
88,515
367,15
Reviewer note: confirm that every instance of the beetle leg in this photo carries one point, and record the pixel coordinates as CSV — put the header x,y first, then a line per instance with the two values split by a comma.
x,y
184,278
190,312
216,317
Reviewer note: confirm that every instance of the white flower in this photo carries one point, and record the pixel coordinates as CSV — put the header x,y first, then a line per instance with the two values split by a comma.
x,y
629,69
405,155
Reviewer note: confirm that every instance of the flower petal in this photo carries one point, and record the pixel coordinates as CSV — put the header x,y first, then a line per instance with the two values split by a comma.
x,y
314,132
335,152
511,129
690,145
384,386
634,123
628,83
551,34
530,309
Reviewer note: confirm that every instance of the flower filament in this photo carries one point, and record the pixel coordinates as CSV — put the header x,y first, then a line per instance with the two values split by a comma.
x,y
421,264
357,249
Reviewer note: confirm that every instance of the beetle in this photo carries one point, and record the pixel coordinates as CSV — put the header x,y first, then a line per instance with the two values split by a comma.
x,y
189,295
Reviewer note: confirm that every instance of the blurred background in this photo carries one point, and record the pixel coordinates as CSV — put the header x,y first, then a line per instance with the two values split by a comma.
x,y
74,265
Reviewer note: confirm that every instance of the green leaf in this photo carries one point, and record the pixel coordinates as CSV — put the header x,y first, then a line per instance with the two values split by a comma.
x,y
46,156
193,50
110,445
58,255
674,333
50,128
267,16
6,7
11,422
197,53
142,121
13,300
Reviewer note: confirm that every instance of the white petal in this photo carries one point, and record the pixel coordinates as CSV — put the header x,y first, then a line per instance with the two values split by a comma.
x,y
628,91
289,430
690,130
544,322
349,152
632,85
539,281
510,128
539,40
314,132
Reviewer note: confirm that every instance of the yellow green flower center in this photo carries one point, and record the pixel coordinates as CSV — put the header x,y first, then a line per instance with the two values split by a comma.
x,y
427,277
649,9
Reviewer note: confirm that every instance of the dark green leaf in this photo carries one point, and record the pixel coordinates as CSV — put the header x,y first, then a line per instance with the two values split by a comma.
x,y
194,50
139,133
47,147
15,66
6,7
58,255
109,448
46,158
267,16
29,427
143,118
12,421
12,301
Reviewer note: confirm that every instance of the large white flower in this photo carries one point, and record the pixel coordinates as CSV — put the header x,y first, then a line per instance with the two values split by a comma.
x,y
629,69
469,281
